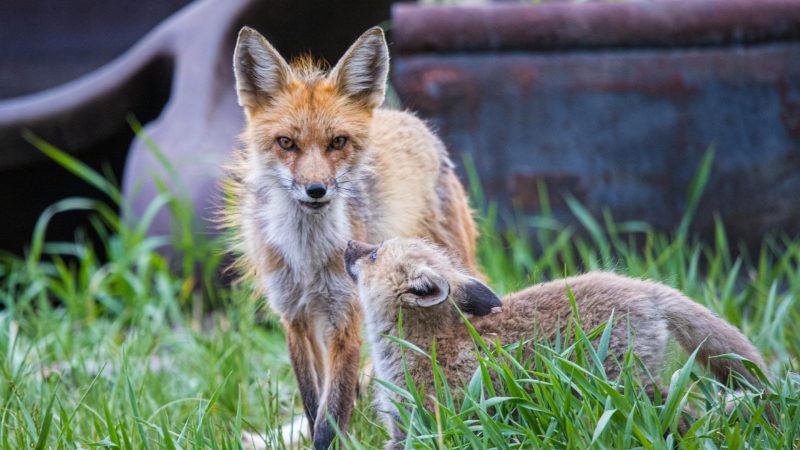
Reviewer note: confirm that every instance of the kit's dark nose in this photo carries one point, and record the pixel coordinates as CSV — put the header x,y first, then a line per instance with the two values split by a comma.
x,y
355,251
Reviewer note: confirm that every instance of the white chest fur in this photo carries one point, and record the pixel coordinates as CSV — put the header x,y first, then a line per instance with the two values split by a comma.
x,y
309,244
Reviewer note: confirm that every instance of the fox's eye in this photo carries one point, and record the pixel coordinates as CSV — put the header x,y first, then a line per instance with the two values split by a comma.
x,y
338,143
374,255
285,143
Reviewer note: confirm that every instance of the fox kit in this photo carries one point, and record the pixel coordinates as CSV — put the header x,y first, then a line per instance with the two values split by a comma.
x,y
417,278
322,164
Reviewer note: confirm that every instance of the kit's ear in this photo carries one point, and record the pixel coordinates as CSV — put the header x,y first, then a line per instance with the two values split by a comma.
x,y
477,299
426,289
259,69
362,71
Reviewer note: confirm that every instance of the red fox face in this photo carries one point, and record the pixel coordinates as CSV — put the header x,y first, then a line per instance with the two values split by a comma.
x,y
307,128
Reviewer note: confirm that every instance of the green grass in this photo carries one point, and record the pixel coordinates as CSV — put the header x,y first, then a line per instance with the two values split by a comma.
x,y
129,351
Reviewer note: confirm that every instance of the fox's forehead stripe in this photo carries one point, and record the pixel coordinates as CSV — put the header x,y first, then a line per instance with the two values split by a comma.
x,y
310,110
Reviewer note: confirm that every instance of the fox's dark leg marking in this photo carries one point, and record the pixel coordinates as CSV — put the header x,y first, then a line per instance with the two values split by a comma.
x,y
340,385
304,369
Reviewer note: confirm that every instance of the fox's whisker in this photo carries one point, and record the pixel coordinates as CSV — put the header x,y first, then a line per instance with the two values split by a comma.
x,y
351,181
345,172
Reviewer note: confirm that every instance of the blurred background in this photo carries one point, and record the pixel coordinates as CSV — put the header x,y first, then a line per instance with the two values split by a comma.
x,y
610,105
656,139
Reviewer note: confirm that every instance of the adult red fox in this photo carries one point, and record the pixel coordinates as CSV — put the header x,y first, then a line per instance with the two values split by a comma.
x,y
321,165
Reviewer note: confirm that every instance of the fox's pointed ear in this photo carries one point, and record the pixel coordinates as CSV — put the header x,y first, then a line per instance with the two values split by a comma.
x,y
260,70
426,289
362,71
477,299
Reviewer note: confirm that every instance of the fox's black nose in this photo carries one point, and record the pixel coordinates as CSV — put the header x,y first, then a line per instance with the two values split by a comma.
x,y
316,190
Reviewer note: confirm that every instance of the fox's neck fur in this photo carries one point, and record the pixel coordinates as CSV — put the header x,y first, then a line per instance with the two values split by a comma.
x,y
306,240
308,243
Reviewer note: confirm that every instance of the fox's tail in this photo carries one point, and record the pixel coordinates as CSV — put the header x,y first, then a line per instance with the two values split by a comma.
x,y
694,326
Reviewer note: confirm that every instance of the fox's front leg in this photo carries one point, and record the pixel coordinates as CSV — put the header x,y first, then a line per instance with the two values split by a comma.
x,y
305,371
341,381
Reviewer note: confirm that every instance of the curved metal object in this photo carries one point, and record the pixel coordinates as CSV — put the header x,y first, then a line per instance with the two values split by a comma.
x,y
198,127
170,68
596,102
92,104
85,117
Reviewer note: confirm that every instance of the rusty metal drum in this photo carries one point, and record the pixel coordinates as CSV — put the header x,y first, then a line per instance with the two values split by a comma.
x,y
616,104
